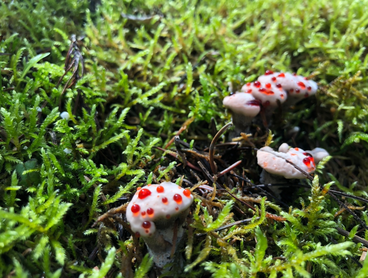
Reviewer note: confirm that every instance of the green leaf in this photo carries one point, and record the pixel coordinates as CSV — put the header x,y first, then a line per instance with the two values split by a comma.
x,y
59,214
223,216
19,271
31,63
40,248
353,231
93,209
144,267
110,141
202,255
189,71
59,251
105,267
355,138
260,248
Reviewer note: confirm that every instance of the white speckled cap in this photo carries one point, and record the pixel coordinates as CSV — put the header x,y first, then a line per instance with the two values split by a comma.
x,y
275,162
156,203
297,86
242,104
267,93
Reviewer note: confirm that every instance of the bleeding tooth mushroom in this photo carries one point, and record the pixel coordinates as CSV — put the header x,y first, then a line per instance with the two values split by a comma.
x,y
244,108
274,163
267,93
297,86
157,213
270,96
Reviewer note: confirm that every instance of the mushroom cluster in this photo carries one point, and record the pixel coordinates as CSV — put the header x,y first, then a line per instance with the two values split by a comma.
x,y
267,93
157,213
298,87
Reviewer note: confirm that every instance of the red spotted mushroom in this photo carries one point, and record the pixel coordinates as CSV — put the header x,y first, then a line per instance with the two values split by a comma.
x,y
267,93
244,108
297,87
157,213
275,163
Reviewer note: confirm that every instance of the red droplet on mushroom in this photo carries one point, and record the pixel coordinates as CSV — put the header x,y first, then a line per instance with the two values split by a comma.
x,y
164,200
297,91
294,74
135,208
268,85
301,85
307,154
297,149
143,213
274,79
137,234
253,102
178,199
268,72
282,96
187,193
150,211
262,90
257,84
278,85
168,216
144,193
306,95
146,224
249,91
160,189
291,90
248,84
281,75
309,88
176,208
139,188
312,160
307,162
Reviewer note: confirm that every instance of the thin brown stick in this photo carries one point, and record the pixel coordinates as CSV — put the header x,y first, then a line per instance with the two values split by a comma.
x,y
211,151
228,169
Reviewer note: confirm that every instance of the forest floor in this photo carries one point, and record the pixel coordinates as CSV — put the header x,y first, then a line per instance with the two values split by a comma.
x,y
98,98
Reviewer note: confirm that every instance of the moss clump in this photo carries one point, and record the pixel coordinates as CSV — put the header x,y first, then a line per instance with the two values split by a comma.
x,y
154,69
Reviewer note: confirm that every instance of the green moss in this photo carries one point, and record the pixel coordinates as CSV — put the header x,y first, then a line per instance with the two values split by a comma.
x,y
150,66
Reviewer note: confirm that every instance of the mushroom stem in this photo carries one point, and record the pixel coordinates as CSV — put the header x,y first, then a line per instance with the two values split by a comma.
x,y
162,244
157,213
241,123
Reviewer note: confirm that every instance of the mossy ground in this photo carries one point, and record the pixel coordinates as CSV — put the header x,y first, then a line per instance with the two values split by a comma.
x,y
150,69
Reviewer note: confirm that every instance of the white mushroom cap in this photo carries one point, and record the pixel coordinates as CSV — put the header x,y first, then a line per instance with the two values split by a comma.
x,y
155,204
242,104
266,92
275,162
318,154
297,86
284,148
